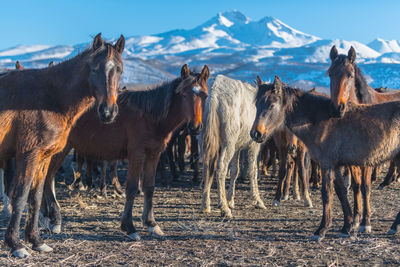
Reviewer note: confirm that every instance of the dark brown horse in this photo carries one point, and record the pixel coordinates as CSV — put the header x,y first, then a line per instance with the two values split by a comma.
x,y
140,133
365,135
347,84
37,111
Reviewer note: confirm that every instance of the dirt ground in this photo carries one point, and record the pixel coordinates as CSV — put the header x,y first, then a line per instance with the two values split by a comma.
x,y
275,236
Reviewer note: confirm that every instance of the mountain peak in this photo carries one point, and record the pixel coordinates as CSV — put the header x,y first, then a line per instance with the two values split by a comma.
x,y
234,17
384,46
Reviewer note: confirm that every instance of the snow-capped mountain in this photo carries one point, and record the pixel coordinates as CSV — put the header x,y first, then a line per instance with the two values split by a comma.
x,y
384,46
232,44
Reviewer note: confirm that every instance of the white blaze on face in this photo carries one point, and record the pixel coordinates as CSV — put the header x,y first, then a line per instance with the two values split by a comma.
x,y
109,65
196,89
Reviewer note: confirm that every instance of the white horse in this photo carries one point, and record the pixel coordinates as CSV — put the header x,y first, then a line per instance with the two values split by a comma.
x,y
227,121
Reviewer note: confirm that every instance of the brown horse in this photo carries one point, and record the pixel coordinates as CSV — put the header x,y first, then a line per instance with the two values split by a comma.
x,y
140,133
365,135
349,85
37,111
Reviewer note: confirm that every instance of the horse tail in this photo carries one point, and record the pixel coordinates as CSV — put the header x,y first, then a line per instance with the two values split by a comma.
x,y
210,136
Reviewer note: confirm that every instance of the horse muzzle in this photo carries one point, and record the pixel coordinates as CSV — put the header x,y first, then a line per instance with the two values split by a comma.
x,y
339,111
195,130
256,136
107,113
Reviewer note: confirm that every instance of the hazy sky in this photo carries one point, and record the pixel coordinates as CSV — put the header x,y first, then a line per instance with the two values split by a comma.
x,y
71,22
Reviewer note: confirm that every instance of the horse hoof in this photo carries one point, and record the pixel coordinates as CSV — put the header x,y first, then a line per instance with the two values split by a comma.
x,y
205,210
317,238
231,204
392,232
308,203
55,229
134,236
42,248
285,197
365,229
380,187
156,232
276,203
20,253
344,235
260,205
227,213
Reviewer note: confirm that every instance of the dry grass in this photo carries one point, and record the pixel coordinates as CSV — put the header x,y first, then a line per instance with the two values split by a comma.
x,y
276,236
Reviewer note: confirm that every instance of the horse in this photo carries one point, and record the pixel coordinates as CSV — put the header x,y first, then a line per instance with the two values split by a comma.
x,y
38,108
347,84
140,133
364,135
227,122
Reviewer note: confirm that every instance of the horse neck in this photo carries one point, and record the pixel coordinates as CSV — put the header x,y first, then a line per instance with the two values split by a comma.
x,y
308,110
364,93
174,119
69,80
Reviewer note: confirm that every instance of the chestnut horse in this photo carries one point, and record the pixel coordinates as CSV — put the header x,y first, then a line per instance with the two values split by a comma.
x,y
38,108
347,84
365,135
140,133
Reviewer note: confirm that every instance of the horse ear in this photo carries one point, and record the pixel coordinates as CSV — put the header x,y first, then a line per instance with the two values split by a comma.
x,y
18,66
205,73
120,44
334,53
259,81
97,42
185,72
277,88
51,64
352,54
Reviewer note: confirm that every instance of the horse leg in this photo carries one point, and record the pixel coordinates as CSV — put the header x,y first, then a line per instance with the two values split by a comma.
x,y
26,166
303,173
194,152
296,192
254,175
78,174
341,192
327,194
135,168
90,163
390,176
181,151
103,175
114,177
149,172
208,177
282,173
356,185
290,165
222,167
234,175
35,199
49,194
170,154
366,193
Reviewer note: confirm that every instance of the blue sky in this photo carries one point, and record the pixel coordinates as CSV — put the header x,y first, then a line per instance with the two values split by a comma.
x,y
71,22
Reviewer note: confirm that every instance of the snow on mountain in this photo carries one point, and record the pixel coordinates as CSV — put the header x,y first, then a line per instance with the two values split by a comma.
x,y
230,43
319,51
384,46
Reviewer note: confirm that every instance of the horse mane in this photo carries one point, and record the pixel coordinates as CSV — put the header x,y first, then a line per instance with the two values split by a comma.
x,y
362,88
155,100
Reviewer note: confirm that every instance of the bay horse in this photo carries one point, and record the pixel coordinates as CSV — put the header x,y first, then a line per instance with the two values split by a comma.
x,y
364,135
140,133
348,84
38,108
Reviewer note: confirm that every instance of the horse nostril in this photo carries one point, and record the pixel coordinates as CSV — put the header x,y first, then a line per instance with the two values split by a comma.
x,y
341,107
